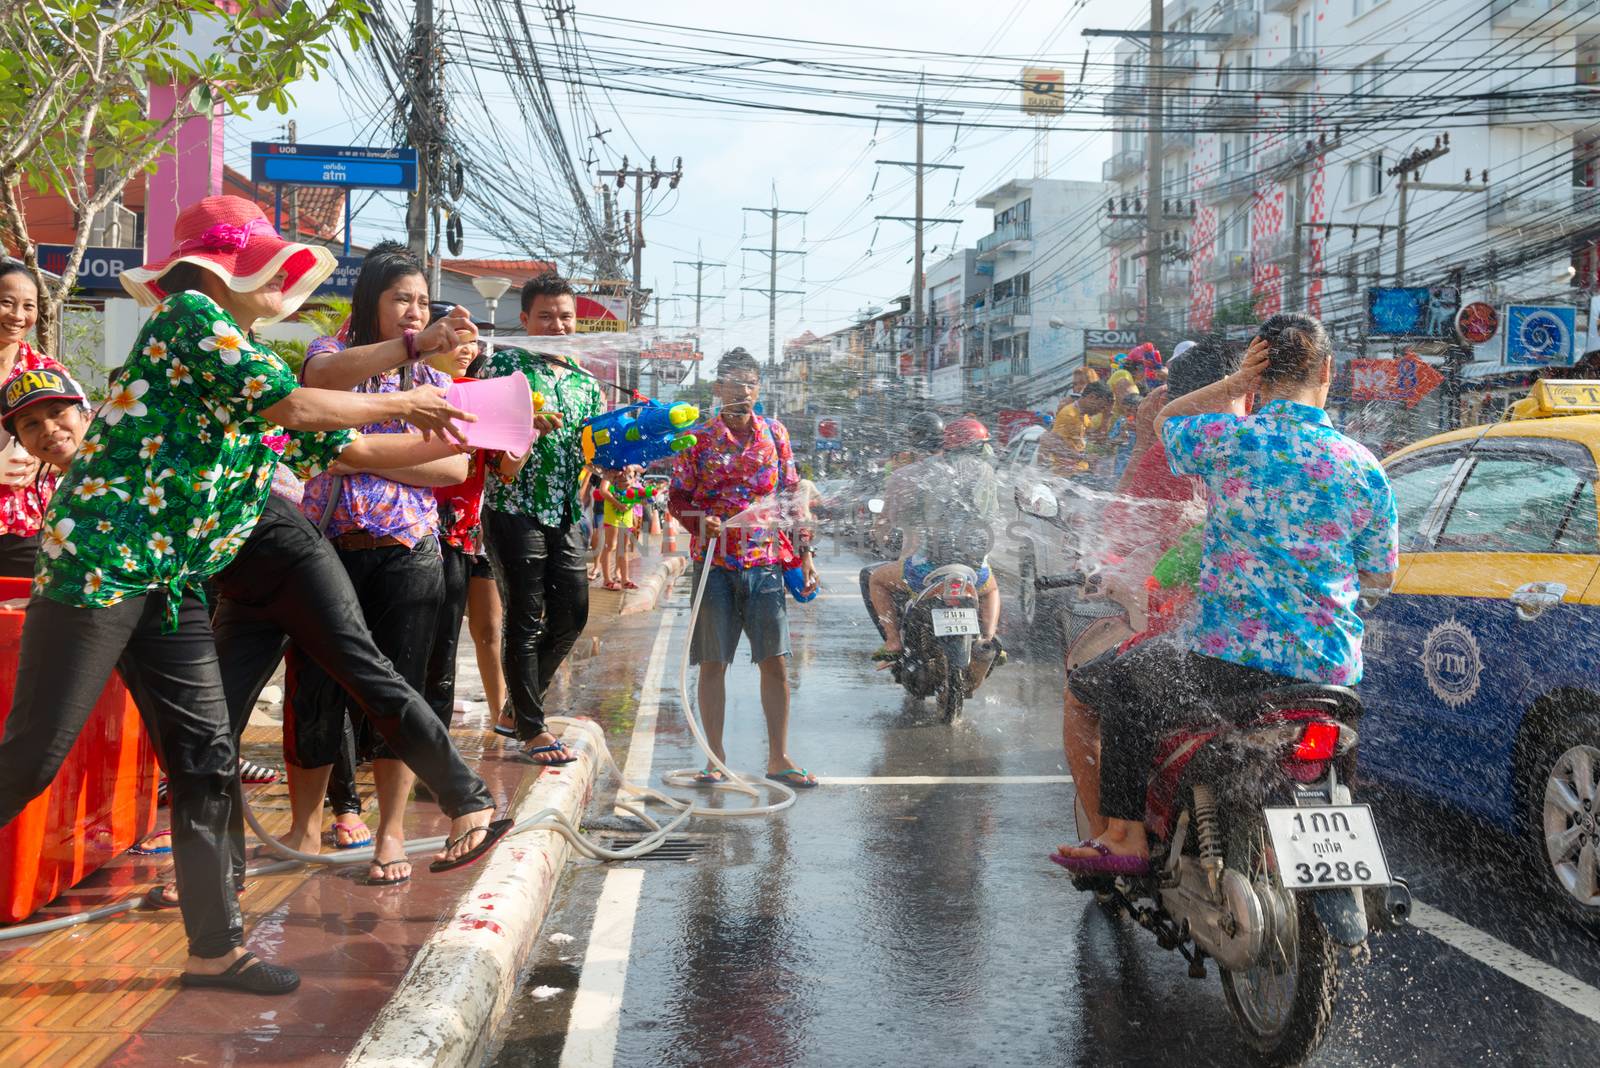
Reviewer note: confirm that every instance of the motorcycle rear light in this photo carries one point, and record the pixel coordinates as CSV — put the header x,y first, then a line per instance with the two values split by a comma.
x,y
1317,742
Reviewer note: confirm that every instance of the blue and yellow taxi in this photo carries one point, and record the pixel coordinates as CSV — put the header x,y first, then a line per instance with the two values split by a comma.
x,y
1482,686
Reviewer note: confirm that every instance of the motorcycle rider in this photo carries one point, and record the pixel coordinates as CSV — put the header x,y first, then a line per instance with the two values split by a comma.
x,y
1153,509
924,438
1299,520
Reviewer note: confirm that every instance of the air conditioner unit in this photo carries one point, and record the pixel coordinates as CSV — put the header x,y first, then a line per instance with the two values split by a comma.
x,y
113,226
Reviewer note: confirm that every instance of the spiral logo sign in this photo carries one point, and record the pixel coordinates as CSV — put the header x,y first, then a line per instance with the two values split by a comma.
x,y
1541,336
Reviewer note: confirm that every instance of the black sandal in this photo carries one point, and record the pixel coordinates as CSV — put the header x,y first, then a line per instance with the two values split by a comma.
x,y
492,831
384,866
264,978
158,898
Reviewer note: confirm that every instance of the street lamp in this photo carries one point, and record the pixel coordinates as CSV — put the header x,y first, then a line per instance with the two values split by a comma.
x,y
491,290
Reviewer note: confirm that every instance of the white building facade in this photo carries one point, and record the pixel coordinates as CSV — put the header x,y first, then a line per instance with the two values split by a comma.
x,y
1281,130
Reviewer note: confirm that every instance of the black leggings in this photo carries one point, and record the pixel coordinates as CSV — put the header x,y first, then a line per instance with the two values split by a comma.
x,y
441,686
286,584
1153,688
543,575
67,655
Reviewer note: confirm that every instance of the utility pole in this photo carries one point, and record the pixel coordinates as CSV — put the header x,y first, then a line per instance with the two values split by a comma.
x,y
921,111
772,289
699,265
641,175
419,123
1153,148
1412,165
1297,298
294,195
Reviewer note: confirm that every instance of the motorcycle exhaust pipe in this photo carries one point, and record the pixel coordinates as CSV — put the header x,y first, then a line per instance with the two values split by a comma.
x,y
1057,582
1397,901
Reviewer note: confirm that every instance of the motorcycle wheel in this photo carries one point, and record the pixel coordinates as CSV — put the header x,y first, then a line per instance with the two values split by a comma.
x,y
952,692
1284,1003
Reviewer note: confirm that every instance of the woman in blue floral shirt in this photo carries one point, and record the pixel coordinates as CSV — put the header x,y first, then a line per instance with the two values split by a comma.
x,y
1299,518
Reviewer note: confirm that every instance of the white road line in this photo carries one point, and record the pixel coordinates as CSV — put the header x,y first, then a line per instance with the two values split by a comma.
x,y
941,780
642,743
597,1006
1514,964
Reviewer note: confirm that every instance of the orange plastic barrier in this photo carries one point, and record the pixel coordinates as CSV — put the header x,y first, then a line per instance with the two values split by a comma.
x,y
102,802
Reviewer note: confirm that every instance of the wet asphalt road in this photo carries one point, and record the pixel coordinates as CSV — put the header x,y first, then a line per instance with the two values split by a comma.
x,y
884,923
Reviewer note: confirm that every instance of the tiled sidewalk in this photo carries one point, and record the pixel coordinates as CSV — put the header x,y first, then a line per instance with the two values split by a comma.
x,y
107,992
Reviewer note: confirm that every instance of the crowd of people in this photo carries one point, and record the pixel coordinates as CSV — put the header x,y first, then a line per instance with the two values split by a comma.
x,y
218,514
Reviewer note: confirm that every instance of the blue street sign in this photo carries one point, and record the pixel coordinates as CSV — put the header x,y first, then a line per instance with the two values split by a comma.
x,y
346,166
101,267
1537,335
342,282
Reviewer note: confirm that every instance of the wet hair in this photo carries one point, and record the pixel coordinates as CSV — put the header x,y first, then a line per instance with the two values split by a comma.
x,y
548,284
738,360
386,264
1208,361
1096,389
11,267
1297,347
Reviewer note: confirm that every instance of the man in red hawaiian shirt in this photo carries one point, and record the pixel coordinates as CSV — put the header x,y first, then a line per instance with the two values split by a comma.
x,y
740,458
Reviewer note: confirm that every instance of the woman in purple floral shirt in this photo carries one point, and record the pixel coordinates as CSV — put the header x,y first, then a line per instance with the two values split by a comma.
x,y
385,530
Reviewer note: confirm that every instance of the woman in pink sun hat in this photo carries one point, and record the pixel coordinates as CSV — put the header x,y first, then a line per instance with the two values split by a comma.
x,y
169,481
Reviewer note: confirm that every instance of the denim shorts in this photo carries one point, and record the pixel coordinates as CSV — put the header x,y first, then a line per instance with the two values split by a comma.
x,y
751,601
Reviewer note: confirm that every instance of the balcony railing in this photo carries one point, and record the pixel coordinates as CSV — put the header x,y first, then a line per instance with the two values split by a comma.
x,y
1557,208
1296,67
1175,284
1517,14
1227,110
1121,231
1232,181
1238,20
1123,101
1178,59
1226,265
1277,247
1280,7
1176,139
1579,112
1128,161
1119,301
1003,236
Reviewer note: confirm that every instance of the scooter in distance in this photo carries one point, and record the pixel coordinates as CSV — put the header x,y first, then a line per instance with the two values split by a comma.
x,y
938,630
1261,860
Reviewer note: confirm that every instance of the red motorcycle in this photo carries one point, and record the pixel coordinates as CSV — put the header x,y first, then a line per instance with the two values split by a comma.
x,y
1261,860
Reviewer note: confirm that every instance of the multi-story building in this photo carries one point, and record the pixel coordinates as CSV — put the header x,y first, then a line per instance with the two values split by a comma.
x,y
953,289
1282,131
1040,282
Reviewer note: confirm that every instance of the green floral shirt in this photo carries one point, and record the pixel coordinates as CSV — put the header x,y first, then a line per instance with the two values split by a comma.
x,y
547,486
173,472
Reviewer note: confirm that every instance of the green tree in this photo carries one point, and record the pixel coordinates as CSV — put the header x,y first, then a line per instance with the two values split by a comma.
x,y
74,82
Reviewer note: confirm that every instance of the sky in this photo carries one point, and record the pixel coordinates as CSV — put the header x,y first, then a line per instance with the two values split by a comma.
x,y
734,158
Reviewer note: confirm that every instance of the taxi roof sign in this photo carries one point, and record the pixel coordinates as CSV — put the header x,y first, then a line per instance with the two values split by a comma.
x,y
1576,397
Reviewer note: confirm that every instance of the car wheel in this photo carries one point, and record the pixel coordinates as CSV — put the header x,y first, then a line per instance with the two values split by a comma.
x,y
1561,798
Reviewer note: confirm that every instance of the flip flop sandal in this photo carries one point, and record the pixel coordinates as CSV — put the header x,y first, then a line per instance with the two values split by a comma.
x,y
1107,863
567,757
160,898
253,774
710,777
145,849
799,778
630,585
264,978
506,732
384,866
332,836
492,833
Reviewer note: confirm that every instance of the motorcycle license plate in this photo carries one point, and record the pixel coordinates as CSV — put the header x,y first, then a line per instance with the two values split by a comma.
x,y
952,621
1324,846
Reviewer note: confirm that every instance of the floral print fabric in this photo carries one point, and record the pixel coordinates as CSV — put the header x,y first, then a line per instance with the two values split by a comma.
x,y
22,507
173,472
547,486
1294,511
380,506
721,477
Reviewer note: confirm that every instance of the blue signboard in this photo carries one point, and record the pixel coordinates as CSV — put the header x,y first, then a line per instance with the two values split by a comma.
x,y
1412,311
101,268
1541,336
346,166
342,282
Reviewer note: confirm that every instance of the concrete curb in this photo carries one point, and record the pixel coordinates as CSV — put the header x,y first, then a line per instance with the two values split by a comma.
x,y
450,1002
655,587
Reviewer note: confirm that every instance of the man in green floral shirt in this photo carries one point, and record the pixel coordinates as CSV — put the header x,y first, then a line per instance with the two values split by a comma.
x,y
530,522
170,479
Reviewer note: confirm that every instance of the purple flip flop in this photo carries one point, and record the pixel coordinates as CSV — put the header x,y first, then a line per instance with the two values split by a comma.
x,y
1105,864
